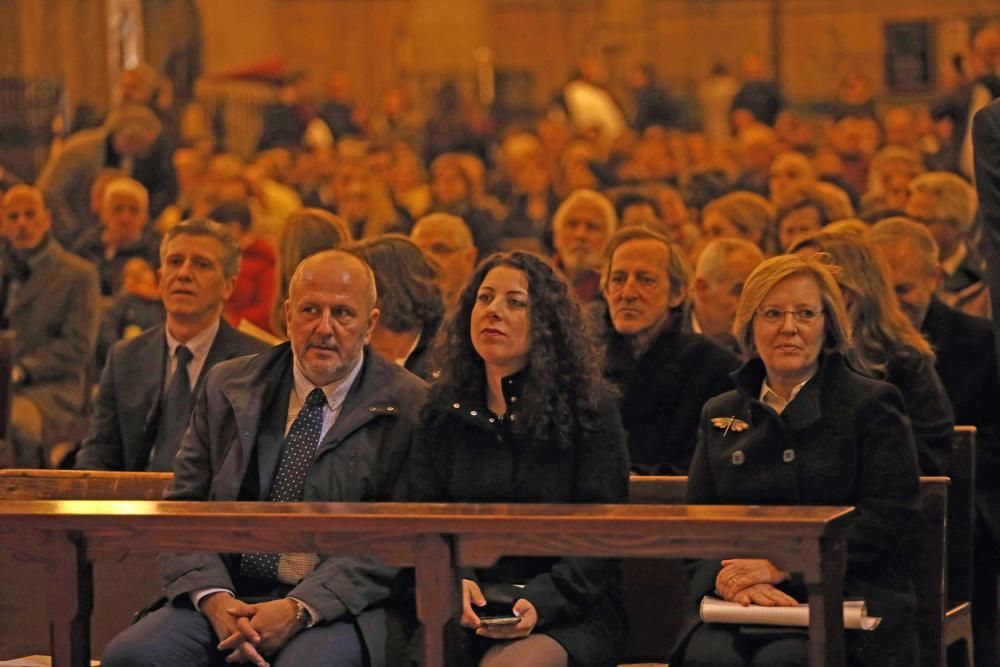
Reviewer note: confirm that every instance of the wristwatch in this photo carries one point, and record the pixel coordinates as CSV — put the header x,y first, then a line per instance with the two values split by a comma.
x,y
302,615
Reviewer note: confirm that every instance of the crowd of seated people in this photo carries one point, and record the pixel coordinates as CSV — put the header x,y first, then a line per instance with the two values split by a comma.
x,y
435,310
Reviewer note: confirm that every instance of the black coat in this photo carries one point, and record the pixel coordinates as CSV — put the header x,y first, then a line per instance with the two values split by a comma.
x,y
929,410
663,392
464,453
967,366
986,142
844,440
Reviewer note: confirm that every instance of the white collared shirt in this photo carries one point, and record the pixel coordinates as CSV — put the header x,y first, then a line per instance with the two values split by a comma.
x,y
199,346
772,399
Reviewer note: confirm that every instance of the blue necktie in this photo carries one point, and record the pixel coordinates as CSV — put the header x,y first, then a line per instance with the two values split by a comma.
x,y
289,481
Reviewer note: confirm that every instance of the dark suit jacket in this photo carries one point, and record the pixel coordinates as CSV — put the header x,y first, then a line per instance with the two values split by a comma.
x,y
844,440
967,366
663,392
127,411
231,452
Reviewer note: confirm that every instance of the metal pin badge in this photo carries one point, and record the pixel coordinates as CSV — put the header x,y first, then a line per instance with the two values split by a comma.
x,y
729,423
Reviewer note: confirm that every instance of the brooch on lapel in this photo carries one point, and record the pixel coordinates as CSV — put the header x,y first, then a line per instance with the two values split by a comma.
x,y
725,424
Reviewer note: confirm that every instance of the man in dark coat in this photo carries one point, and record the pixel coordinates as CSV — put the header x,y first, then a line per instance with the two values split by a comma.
x,y
51,302
135,425
325,398
967,365
665,374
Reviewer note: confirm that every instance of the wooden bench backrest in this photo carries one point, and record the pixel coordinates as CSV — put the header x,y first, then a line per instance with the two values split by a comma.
x,y
17,484
961,514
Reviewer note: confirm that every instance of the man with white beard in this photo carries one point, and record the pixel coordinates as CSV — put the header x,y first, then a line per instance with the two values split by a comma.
x,y
581,226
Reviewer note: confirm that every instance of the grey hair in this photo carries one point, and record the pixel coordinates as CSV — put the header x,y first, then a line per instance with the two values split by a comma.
x,y
891,230
955,199
231,252
591,198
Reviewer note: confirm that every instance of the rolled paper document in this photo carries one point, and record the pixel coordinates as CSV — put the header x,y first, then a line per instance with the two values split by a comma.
x,y
714,610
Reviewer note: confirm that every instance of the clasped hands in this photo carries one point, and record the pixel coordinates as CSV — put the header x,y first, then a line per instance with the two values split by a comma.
x,y
250,631
752,581
473,595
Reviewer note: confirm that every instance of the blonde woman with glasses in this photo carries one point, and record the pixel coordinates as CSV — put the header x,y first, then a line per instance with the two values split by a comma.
x,y
801,427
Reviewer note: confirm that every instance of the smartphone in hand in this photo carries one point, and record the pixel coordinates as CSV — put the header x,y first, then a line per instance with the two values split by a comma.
x,y
495,613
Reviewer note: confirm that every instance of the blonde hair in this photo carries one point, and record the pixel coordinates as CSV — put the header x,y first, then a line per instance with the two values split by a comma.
x,y
749,212
836,323
881,329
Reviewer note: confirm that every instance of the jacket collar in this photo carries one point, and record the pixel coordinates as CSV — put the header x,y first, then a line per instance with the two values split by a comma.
x,y
805,409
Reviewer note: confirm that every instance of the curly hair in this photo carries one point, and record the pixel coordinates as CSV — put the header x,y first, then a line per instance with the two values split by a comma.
x,y
563,385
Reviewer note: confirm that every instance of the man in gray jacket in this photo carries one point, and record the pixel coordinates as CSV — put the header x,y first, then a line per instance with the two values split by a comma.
x,y
52,303
322,418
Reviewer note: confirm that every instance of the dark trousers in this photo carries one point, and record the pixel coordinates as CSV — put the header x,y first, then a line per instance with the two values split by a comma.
x,y
175,635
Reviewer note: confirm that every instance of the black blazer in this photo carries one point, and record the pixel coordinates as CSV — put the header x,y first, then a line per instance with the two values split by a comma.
x,y
464,453
986,143
127,410
844,440
663,392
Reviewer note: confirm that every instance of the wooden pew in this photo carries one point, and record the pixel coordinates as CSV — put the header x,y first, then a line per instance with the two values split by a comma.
x,y
961,519
121,585
434,538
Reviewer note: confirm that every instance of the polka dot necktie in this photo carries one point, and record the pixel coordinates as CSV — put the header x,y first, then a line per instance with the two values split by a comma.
x,y
290,480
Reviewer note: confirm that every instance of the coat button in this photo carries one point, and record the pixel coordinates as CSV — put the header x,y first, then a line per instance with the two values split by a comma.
x,y
788,455
372,409
473,413
492,420
456,405
738,458
391,408
513,399
513,417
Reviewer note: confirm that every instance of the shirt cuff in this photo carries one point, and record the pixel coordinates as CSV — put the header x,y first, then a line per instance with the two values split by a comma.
x,y
314,616
202,593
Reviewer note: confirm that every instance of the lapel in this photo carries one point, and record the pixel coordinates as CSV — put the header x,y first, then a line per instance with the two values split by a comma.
x,y
367,399
44,271
219,351
259,400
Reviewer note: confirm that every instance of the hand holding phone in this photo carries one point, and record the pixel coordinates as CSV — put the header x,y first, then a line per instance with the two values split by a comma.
x,y
494,613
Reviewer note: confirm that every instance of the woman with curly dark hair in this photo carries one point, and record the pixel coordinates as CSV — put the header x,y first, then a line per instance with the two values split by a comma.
x,y
520,414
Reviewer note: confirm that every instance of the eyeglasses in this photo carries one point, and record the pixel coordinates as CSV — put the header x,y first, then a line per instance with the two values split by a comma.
x,y
802,315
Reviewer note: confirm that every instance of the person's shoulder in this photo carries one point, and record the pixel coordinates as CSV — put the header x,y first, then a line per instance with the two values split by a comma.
x,y
701,347
83,142
72,263
239,343
725,404
128,351
394,377
859,389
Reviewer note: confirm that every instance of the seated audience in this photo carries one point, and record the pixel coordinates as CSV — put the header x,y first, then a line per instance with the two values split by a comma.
x,y
51,302
445,240
581,226
664,374
311,398
801,214
253,295
149,382
802,428
409,301
741,215
306,232
124,234
124,142
136,307
520,414
946,203
453,192
789,171
361,201
888,346
532,204
723,266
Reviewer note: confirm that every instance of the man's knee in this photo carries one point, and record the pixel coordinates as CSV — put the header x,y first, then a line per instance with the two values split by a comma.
x,y
336,644
167,637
